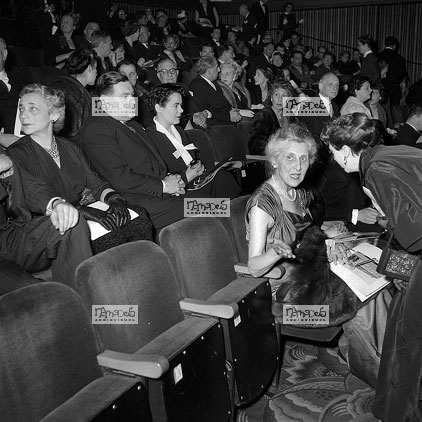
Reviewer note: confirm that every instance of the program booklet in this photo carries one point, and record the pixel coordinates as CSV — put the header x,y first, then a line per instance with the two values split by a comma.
x,y
360,273
206,177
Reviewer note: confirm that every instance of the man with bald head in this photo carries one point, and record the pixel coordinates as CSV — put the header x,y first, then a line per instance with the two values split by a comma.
x,y
328,87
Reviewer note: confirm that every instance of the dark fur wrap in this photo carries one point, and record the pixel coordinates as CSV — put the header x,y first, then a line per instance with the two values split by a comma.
x,y
313,283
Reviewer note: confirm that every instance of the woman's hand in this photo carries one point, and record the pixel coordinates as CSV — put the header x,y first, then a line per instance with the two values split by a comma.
x,y
107,220
174,185
368,215
235,116
283,250
336,252
64,217
246,113
194,171
5,163
119,209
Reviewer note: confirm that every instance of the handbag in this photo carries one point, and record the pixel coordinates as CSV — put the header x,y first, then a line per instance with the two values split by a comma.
x,y
396,264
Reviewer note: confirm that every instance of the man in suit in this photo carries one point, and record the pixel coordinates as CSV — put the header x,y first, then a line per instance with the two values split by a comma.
x,y
328,89
9,97
122,152
208,95
143,50
260,11
300,73
102,45
410,132
396,69
84,40
370,66
264,59
249,22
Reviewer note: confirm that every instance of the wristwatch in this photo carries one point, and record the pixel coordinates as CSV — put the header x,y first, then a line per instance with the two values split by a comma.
x,y
51,204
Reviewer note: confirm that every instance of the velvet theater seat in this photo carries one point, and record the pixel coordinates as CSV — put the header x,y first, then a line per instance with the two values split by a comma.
x,y
48,362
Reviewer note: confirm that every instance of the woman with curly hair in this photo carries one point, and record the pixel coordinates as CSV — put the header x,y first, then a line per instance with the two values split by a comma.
x,y
270,118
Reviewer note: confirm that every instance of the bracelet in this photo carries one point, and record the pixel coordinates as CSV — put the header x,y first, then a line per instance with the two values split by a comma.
x,y
7,173
52,204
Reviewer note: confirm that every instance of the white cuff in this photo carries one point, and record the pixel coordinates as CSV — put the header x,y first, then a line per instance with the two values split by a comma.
x,y
355,214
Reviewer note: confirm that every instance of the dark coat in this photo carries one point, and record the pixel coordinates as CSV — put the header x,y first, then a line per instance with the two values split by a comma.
x,y
407,135
128,159
392,174
261,17
370,68
206,98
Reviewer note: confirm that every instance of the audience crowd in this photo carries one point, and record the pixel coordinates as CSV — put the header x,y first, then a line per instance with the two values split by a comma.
x,y
116,121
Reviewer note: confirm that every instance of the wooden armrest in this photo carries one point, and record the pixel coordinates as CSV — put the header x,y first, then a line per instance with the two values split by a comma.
x,y
232,165
150,366
274,273
256,157
210,308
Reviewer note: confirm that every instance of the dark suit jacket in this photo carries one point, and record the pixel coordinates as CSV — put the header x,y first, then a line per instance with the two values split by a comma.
x,y
8,105
265,123
249,26
370,68
128,160
151,52
261,17
206,98
396,73
407,135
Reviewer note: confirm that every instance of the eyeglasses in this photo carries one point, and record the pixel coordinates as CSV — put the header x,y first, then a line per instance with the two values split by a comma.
x,y
168,72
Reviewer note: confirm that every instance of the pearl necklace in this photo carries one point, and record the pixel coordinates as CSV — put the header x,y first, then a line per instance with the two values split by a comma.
x,y
53,151
282,192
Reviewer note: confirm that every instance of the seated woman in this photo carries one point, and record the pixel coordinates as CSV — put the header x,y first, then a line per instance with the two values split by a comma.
x,y
277,214
81,68
59,46
260,92
360,92
64,175
175,148
234,92
270,118
391,177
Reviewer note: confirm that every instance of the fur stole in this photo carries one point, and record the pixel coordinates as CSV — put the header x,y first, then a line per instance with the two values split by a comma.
x,y
313,283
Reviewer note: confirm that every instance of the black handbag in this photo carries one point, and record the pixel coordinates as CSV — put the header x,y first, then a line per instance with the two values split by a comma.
x,y
396,264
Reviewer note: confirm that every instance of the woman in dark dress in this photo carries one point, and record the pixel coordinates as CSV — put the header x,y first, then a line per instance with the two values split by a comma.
x,y
270,118
59,46
204,11
178,152
81,68
391,176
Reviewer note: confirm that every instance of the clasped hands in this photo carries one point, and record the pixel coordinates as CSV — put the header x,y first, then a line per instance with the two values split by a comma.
x,y
116,217
174,185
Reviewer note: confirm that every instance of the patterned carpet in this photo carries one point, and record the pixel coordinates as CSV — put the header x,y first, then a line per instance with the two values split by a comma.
x,y
315,386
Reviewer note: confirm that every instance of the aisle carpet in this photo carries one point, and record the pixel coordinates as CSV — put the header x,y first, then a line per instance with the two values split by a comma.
x,y
315,386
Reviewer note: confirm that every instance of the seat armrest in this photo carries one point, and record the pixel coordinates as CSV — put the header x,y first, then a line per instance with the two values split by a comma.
x,y
274,273
232,165
149,366
218,309
256,157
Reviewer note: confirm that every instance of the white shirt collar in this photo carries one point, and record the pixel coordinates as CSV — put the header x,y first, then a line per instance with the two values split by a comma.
x,y
367,52
4,78
410,124
327,103
213,86
174,137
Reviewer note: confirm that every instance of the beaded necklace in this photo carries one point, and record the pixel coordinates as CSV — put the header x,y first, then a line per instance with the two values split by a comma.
x,y
53,151
283,193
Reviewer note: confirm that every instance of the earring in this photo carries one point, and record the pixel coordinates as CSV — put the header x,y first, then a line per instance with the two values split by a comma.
x,y
345,160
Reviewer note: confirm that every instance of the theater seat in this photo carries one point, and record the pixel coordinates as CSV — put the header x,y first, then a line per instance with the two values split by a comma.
x,y
201,253
48,362
139,273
